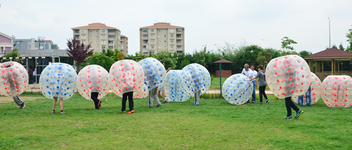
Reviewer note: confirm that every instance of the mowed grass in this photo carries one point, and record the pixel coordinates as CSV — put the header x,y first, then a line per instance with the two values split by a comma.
x,y
215,124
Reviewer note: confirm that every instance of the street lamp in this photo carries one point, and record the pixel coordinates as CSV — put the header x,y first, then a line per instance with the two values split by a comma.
x,y
329,34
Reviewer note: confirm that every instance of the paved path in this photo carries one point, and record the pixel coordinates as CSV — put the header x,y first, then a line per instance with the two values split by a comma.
x,y
35,88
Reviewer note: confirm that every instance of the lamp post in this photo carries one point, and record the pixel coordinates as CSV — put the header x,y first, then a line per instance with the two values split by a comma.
x,y
329,34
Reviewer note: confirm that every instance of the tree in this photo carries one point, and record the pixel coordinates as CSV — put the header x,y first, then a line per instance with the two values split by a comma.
x,y
286,42
334,46
341,47
169,59
102,60
264,57
78,52
13,54
349,40
304,53
120,55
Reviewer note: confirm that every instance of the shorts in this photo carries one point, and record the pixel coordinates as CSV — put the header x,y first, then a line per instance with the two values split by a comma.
x,y
161,88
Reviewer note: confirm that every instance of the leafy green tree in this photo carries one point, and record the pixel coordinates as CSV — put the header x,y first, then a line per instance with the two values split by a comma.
x,y
286,45
101,60
349,40
169,59
13,54
184,63
341,47
334,46
120,55
264,57
304,53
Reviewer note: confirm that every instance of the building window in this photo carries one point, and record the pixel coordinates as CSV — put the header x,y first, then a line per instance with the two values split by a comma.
x,y
178,30
103,36
103,47
111,36
151,30
145,41
172,35
96,42
111,30
159,30
102,31
171,30
145,35
152,36
179,52
152,52
111,47
159,41
178,41
165,41
96,31
152,47
172,47
151,41
83,31
159,36
102,42
179,46
165,46
145,52
165,30
83,37
90,36
145,30
76,31
84,42
97,47
171,41
159,46
178,36
91,47
165,36
91,42
96,36
90,30
121,46
111,42
145,46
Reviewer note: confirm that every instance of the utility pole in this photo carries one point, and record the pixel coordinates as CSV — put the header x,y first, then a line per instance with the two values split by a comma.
x,y
329,34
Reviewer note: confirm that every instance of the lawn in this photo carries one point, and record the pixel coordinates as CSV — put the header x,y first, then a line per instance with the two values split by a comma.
x,y
215,124
215,83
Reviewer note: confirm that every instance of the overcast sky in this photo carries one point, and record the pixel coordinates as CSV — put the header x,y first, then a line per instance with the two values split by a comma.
x,y
206,22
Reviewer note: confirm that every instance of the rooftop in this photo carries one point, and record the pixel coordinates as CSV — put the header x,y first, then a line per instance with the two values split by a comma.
x,y
223,61
94,25
330,53
162,25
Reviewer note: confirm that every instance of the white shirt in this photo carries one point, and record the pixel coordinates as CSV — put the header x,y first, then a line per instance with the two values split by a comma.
x,y
248,73
254,74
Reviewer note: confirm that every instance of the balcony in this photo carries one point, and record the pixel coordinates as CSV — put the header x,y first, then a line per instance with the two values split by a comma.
x,y
178,36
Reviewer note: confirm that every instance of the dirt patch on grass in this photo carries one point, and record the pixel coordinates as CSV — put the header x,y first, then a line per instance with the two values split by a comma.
x,y
9,99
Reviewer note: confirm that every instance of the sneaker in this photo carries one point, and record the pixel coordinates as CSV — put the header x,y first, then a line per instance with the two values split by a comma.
x,y
253,101
99,104
165,102
53,112
130,112
151,106
22,106
122,111
267,101
299,113
196,104
158,105
62,113
260,103
289,117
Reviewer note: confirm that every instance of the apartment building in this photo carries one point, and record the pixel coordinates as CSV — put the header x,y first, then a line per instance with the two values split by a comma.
x,y
100,37
124,45
6,43
34,44
162,36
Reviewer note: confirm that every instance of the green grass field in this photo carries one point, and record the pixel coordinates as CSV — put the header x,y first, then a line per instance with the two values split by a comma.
x,y
215,124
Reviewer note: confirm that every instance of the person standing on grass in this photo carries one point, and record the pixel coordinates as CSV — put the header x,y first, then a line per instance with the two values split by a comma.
x,y
262,84
162,88
291,76
247,72
57,91
254,82
11,77
128,94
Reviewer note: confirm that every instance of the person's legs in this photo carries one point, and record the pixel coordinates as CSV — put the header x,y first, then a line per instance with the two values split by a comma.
x,y
155,96
54,105
288,106
163,95
266,98
196,97
130,100
253,94
293,106
18,101
94,97
62,105
150,99
261,93
124,99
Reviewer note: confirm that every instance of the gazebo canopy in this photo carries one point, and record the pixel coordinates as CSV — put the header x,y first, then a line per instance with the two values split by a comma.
x,y
223,61
329,54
